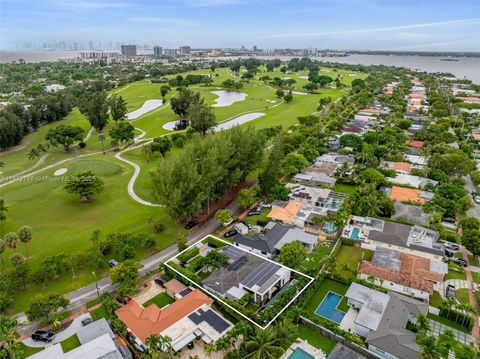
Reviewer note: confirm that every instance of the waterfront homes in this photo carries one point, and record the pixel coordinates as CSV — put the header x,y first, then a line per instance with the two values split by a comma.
x,y
184,320
270,242
374,232
403,272
382,320
247,274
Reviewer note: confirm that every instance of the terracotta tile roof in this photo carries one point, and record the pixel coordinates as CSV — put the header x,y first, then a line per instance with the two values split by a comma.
x,y
372,110
287,213
174,286
401,166
415,143
144,322
418,266
404,279
406,195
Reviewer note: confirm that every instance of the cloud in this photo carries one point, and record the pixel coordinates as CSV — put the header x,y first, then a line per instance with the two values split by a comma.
x,y
431,45
379,29
163,20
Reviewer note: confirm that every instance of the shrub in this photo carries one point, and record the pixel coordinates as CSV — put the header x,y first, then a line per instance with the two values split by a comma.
x,y
186,256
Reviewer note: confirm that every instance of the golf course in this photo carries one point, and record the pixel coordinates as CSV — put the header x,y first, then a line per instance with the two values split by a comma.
x,y
62,224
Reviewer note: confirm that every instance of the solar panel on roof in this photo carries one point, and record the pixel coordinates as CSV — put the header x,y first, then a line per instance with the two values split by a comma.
x,y
261,275
237,264
212,318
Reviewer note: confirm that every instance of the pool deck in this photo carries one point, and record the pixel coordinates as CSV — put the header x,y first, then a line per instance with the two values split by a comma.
x,y
348,321
305,346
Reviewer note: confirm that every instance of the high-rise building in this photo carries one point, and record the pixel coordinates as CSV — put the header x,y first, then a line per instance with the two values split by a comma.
x,y
185,50
90,45
157,51
255,48
129,50
169,52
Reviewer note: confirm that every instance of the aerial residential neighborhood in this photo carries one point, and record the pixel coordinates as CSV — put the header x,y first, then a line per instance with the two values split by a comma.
x,y
208,179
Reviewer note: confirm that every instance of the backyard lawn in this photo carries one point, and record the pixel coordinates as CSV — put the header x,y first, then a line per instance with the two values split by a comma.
x,y
314,258
344,188
328,285
348,259
316,339
159,300
70,343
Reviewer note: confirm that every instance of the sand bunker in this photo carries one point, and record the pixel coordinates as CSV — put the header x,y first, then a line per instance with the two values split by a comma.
x,y
148,106
60,171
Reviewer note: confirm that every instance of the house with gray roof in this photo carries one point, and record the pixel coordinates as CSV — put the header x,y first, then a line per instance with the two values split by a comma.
x,y
410,213
274,236
381,318
247,273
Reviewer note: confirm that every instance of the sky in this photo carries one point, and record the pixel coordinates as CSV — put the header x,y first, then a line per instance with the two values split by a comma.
x,y
416,25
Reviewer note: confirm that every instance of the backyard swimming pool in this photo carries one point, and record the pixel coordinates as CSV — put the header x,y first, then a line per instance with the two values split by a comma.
x,y
300,354
328,308
355,235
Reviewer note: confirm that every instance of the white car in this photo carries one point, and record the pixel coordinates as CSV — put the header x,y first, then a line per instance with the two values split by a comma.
x,y
476,199
226,224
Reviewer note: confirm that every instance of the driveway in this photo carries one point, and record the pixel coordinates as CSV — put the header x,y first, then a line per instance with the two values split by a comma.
x,y
457,283
59,337
475,210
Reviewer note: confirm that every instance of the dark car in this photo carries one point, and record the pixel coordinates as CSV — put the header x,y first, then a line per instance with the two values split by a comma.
x,y
449,254
160,281
190,345
86,322
459,261
451,246
124,300
112,263
450,291
253,212
230,233
249,226
42,336
191,224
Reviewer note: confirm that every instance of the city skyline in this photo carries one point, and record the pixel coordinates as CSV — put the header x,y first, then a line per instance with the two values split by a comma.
x,y
347,24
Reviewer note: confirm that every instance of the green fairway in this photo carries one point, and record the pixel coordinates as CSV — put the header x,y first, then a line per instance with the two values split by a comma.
x,y
63,224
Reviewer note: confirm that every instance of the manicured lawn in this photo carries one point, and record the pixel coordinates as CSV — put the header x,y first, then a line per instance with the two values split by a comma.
x,y
350,256
28,351
99,313
344,188
476,277
63,224
455,272
160,300
328,285
473,260
314,258
447,322
316,339
435,299
462,296
262,217
70,343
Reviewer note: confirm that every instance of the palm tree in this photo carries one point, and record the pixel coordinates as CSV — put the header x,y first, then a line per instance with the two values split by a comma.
x,y
147,149
423,324
467,309
429,347
8,336
11,239
25,234
447,341
263,345
157,343
285,332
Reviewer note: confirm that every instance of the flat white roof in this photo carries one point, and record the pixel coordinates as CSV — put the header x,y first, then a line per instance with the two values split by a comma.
x,y
415,181
374,304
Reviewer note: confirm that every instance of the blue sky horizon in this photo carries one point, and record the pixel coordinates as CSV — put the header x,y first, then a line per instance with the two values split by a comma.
x,y
395,25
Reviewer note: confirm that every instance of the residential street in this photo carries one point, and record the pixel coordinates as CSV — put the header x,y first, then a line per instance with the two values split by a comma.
x,y
475,210
82,295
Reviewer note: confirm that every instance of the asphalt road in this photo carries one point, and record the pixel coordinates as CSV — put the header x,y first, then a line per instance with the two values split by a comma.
x,y
82,295
475,210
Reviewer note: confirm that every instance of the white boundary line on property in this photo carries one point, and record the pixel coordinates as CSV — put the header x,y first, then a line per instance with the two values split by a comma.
x,y
225,303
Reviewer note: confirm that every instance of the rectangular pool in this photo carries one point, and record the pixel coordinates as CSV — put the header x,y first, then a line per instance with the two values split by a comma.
x,y
355,235
328,308
299,353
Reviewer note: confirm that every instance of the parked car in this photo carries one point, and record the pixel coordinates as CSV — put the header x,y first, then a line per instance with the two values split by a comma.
x,y
451,246
449,254
459,261
124,300
86,322
160,281
226,224
190,345
476,199
265,205
230,233
450,291
249,226
261,223
42,336
113,263
190,224
254,212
